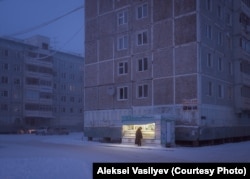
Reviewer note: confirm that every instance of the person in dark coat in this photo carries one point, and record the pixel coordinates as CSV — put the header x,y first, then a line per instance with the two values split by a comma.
x,y
138,136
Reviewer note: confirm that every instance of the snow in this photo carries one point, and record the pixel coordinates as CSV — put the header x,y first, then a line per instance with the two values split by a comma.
x,y
51,163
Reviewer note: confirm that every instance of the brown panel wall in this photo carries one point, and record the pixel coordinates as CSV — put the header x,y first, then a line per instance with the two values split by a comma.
x,y
91,98
184,6
106,48
162,9
186,59
105,98
163,91
185,29
91,72
90,52
163,34
106,72
91,11
163,63
186,88
105,6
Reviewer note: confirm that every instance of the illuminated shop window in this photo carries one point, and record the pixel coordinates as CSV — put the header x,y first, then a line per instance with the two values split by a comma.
x,y
148,131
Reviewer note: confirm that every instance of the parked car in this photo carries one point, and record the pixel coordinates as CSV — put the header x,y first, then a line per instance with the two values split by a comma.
x,y
26,131
41,131
30,131
61,130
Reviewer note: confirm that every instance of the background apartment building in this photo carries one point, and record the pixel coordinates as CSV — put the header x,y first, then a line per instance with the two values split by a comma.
x,y
150,62
39,86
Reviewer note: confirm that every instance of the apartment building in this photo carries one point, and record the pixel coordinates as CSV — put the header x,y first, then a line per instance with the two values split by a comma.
x,y
178,68
39,86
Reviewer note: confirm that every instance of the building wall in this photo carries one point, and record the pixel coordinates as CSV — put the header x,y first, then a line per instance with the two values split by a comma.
x,y
181,80
33,80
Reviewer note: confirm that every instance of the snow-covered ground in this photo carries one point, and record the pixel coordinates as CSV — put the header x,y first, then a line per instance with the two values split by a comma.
x,y
18,161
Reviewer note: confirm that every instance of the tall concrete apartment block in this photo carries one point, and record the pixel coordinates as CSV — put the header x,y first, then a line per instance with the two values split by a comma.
x,y
39,86
181,66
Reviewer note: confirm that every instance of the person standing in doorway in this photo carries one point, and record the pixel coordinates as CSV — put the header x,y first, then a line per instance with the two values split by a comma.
x,y
138,136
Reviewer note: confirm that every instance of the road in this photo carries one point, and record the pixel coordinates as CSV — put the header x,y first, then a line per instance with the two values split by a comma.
x,y
31,156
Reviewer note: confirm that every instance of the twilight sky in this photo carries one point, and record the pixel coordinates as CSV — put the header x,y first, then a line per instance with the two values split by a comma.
x,y
60,20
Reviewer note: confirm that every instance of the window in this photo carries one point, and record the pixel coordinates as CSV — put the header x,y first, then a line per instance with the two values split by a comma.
x,y
220,64
230,68
45,46
142,64
209,5
220,38
17,81
4,93
123,68
122,17
30,94
4,80
244,19
142,11
5,66
80,100
220,91
6,53
45,95
32,81
244,44
63,109
71,76
210,88
230,92
209,60
228,19
17,68
245,91
45,83
72,99
63,98
123,42
4,107
123,93
142,91
63,75
229,41
209,31
219,11
142,38
80,110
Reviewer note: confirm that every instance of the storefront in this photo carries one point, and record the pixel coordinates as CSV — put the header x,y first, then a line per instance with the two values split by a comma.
x,y
156,130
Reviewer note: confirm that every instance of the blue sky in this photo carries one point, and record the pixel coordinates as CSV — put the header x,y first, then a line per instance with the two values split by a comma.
x,y
24,18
